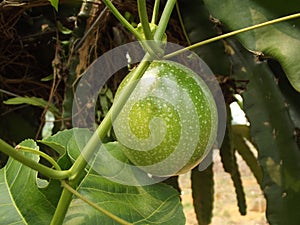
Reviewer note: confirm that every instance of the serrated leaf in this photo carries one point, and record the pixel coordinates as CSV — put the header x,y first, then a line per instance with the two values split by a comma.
x,y
239,189
154,204
32,101
229,161
203,194
272,132
240,132
291,96
227,149
21,202
281,41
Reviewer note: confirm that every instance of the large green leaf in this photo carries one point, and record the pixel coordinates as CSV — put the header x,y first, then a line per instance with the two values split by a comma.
x,y
272,132
21,201
281,41
203,194
154,204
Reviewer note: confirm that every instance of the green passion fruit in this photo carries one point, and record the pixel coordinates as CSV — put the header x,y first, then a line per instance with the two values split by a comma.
x,y
169,122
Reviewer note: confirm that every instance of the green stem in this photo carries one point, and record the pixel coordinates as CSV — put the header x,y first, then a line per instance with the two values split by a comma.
x,y
42,154
100,133
155,12
271,22
182,24
51,173
142,9
164,20
103,128
62,207
153,49
94,143
94,205
122,19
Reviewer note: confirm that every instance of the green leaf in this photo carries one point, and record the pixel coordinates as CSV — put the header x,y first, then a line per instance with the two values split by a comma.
x,y
291,96
281,41
240,132
203,194
272,132
21,202
239,189
229,161
76,143
68,144
54,3
58,141
32,101
154,204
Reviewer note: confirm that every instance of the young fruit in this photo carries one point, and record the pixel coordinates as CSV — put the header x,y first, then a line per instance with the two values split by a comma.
x,y
169,122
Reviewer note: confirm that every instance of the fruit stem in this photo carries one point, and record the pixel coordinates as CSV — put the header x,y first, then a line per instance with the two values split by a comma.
x,y
142,9
42,154
217,38
94,143
182,24
155,11
122,19
153,49
164,20
51,173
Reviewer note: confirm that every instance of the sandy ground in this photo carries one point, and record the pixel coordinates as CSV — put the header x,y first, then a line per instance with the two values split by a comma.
x,y
225,205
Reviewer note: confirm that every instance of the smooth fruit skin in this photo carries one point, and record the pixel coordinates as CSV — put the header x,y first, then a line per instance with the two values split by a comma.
x,y
169,123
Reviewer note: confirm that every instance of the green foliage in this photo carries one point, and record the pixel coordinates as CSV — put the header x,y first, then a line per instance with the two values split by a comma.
x,y
203,194
152,204
20,194
228,158
155,204
267,59
241,142
280,41
272,132
32,101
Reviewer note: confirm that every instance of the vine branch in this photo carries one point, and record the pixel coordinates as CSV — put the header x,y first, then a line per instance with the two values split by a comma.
x,y
230,34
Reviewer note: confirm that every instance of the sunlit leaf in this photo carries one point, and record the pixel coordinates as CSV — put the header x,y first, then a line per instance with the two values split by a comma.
x,y
281,41
154,204
272,133
21,201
